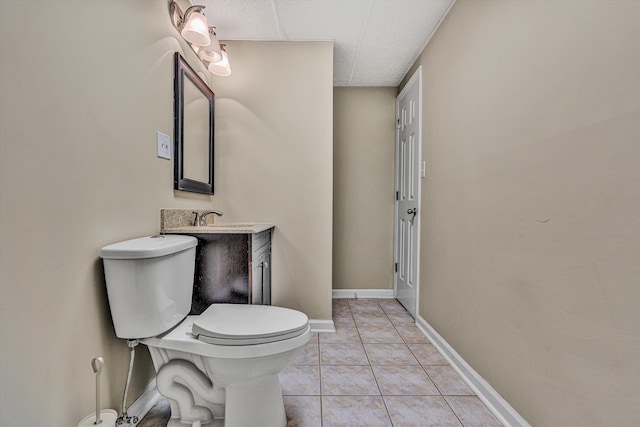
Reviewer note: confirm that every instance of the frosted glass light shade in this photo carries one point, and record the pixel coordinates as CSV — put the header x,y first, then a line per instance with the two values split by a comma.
x,y
196,28
222,67
212,52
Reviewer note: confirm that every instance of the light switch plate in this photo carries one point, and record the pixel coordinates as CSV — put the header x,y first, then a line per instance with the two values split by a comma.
x,y
164,145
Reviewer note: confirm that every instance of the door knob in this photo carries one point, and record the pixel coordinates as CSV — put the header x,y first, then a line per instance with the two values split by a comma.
x,y
413,211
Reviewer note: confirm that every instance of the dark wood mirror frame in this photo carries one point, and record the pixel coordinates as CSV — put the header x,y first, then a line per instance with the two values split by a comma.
x,y
183,73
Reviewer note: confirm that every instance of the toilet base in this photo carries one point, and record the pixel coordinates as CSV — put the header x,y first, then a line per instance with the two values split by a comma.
x,y
247,404
244,390
255,403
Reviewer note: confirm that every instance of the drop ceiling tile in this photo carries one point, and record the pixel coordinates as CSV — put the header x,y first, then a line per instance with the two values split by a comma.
x,y
394,38
385,64
242,19
340,20
343,57
403,22
322,19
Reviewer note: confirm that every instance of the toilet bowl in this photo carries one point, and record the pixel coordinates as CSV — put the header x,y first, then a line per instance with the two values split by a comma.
x,y
221,364
248,373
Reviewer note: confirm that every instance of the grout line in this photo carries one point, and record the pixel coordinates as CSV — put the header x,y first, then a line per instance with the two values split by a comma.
x,y
352,395
384,402
320,381
450,407
431,379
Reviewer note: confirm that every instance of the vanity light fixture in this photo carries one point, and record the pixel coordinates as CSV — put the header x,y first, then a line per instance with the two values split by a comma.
x,y
193,26
212,52
222,67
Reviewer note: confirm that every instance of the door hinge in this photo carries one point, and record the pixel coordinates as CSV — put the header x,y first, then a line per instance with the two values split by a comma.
x,y
397,195
395,268
398,123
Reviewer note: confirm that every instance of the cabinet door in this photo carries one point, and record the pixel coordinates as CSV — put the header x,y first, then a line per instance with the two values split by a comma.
x,y
261,268
266,280
222,273
257,278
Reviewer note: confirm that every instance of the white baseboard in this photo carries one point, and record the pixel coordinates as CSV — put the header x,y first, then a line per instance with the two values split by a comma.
x,y
496,404
322,325
363,293
145,401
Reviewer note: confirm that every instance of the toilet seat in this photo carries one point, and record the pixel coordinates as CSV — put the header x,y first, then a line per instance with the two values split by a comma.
x,y
244,324
182,339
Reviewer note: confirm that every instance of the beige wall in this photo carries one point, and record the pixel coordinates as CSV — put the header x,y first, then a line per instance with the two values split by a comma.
x,y
84,86
531,208
363,188
274,161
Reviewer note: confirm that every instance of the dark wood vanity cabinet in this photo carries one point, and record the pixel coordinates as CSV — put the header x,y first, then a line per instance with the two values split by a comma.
x,y
232,268
260,278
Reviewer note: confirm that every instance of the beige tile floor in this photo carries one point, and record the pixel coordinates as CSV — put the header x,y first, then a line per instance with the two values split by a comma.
x,y
378,369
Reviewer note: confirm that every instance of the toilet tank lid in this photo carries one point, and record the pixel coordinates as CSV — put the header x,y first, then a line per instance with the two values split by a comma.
x,y
148,247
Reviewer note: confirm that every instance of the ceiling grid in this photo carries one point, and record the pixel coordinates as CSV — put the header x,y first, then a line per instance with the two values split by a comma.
x,y
362,34
276,18
375,41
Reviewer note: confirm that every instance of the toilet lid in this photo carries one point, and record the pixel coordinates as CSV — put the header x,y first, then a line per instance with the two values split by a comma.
x,y
245,324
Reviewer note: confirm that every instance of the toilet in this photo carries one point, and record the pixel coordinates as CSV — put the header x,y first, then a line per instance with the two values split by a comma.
x,y
217,368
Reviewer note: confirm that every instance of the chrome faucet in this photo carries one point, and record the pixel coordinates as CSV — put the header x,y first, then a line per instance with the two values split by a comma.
x,y
201,219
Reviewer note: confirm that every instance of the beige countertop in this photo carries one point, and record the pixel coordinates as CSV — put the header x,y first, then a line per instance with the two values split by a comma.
x,y
221,228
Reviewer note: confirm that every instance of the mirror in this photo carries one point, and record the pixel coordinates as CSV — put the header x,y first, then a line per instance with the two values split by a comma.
x,y
193,130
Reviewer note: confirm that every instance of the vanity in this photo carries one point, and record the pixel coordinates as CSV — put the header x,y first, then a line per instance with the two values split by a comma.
x,y
233,261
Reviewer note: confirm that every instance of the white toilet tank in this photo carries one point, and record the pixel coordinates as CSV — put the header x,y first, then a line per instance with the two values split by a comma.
x,y
149,283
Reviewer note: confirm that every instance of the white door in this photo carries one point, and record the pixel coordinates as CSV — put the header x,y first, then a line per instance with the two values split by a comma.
x,y
408,193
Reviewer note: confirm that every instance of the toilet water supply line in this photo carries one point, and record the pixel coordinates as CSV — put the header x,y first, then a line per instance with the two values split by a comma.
x,y
125,418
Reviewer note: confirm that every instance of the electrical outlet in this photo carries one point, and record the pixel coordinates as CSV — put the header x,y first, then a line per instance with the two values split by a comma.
x,y
164,145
